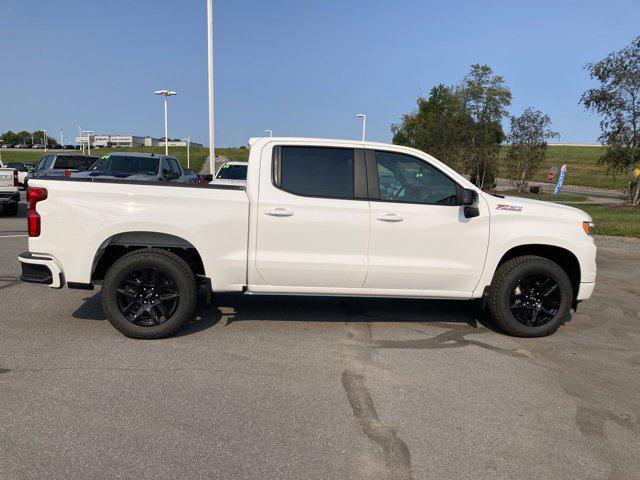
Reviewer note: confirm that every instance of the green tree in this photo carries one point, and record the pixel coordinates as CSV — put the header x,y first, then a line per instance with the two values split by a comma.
x,y
527,146
485,97
438,126
24,137
9,138
617,101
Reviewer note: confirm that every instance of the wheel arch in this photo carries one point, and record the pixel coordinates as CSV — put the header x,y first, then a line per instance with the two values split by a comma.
x,y
116,246
559,255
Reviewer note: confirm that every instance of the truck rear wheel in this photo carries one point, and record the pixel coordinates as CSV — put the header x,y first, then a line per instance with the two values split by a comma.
x,y
149,294
530,296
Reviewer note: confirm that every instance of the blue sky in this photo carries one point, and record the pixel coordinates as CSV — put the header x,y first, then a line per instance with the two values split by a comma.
x,y
301,68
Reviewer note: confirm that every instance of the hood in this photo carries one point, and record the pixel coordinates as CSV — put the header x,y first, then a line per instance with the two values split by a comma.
x,y
511,205
113,175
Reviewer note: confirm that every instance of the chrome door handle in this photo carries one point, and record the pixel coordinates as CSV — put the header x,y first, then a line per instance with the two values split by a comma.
x,y
389,217
279,212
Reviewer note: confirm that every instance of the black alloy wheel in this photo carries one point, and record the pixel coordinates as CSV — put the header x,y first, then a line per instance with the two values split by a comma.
x,y
535,300
147,297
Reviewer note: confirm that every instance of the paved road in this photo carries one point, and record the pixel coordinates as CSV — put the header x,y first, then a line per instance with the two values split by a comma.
x,y
291,388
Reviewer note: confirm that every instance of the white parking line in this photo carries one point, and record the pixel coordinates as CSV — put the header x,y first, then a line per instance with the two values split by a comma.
x,y
12,236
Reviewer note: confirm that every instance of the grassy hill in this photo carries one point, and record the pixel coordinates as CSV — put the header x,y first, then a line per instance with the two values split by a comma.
x,y
582,167
197,154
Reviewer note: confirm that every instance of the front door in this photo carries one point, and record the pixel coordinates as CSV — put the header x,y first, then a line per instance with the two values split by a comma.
x,y
311,229
420,238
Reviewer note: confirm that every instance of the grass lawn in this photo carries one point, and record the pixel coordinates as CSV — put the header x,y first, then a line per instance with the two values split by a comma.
x,y
582,167
197,154
617,221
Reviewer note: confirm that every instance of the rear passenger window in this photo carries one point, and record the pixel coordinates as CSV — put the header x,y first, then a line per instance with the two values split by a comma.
x,y
316,172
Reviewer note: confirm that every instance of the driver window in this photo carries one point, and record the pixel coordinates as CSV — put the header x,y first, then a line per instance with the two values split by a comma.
x,y
402,178
165,166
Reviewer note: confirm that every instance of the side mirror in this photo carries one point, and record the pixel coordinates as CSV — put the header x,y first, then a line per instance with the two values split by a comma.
x,y
468,199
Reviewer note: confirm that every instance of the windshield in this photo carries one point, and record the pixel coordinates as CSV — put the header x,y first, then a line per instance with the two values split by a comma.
x,y
73,163
233,172
126,164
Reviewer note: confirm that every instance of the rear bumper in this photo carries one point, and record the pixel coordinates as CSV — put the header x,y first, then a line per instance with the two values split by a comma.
x,y
42,269
10,197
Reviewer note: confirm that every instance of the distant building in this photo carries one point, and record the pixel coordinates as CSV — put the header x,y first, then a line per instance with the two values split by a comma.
x,y
106,141
179,143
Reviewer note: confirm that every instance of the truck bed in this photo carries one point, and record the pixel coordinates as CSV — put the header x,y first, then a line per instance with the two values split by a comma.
x,y
81,217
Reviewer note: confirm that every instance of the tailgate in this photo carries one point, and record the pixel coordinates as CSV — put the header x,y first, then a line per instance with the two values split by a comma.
x,y
6,179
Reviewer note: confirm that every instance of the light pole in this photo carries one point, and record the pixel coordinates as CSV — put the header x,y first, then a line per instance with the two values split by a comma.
x,y
212,150
44,139
364,124
88,132
269,132
81,142
188,140
166,94
61,139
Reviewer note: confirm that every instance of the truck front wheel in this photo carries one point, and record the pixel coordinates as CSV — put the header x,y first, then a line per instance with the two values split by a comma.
x,y
530,296
149,293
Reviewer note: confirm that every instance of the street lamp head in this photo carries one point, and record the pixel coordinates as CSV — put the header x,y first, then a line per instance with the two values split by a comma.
x,y
361,115
166,93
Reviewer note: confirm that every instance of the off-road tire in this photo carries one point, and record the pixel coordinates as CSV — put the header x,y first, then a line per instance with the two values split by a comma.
x,y
505,280
172,267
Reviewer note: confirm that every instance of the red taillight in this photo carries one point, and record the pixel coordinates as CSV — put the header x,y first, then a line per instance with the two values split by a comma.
x,y
34,195
67,173
15,178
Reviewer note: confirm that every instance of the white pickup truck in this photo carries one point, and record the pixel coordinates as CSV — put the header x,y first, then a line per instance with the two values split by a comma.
x,y
317,217
9,193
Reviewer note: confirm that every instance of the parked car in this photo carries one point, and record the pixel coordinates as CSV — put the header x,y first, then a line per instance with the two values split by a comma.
x,y
231,173
70,147
147,167
190,176
22,169
7,145
9,194
59,165
317,217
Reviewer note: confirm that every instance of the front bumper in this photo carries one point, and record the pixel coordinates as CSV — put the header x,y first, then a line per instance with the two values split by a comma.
x,y
42,269
585,291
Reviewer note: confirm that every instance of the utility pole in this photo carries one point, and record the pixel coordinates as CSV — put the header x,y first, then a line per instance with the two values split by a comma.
x,y
61,139
212,150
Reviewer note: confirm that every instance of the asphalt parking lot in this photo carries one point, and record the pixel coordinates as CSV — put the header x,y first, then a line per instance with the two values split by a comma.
x,y
314,388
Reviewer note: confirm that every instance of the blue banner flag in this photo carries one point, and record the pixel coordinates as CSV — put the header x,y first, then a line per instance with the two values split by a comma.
x,y
563,173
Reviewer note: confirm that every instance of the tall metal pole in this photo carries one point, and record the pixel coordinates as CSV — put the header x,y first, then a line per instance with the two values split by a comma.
x,y
364,124
212,154
81,142
44,139
61,139
188,146
166,127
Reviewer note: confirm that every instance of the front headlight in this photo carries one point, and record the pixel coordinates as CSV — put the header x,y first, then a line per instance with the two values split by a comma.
x,y
588,228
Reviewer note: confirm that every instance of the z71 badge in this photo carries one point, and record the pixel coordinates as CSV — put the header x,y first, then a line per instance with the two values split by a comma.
x,y
510,208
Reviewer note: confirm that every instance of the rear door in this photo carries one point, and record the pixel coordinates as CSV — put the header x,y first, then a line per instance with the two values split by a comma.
x,y
312,230
420,238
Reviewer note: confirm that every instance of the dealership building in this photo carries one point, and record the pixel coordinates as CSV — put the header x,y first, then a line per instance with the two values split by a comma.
x,y
105,141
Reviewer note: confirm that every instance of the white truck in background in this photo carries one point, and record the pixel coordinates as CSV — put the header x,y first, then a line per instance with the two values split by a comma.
x,y
317,217
9,193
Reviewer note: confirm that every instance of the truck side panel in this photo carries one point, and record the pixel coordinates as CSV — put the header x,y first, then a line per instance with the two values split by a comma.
x,y
78,218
